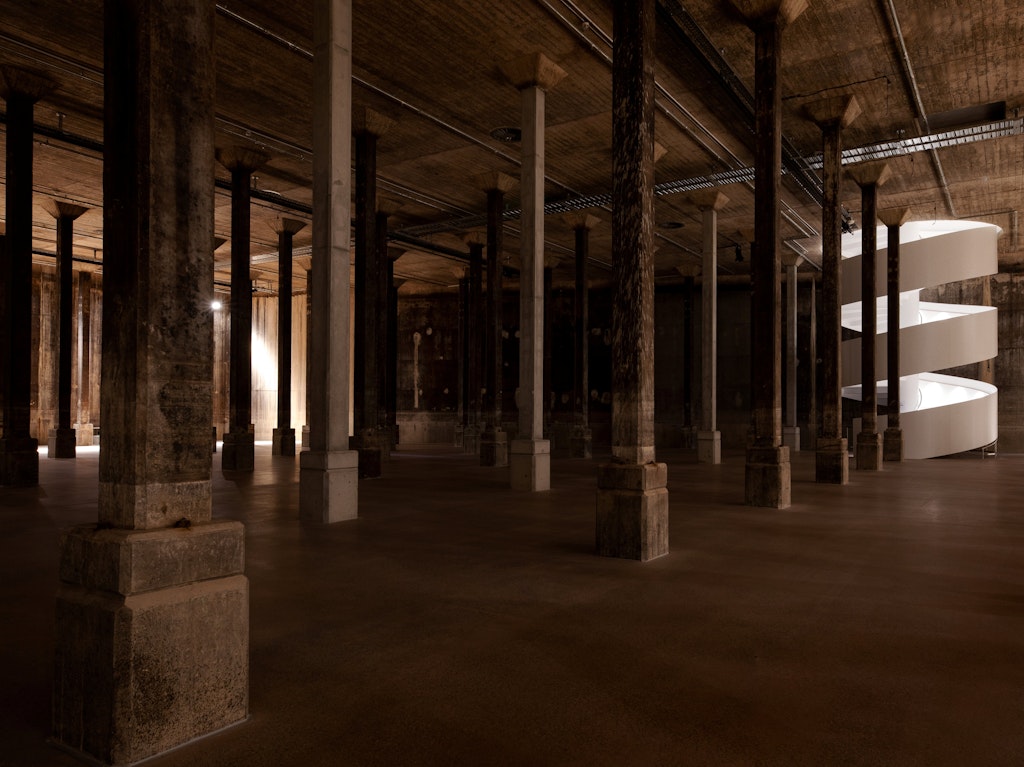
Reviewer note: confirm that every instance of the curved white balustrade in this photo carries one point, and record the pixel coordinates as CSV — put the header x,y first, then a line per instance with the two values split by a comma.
x,y
939,414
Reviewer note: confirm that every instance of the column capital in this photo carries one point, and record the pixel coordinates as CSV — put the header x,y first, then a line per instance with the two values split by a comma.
x,y
289,225
551,262
476,237
790,258
534,69
64,209
783,11
218,241
365,120
874,173
894,216
495,180
707,199
241,158
581,220
834,111
689,270
659,152
31,83
388,207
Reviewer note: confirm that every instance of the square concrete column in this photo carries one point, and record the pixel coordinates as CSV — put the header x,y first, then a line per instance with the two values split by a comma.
x,y
63,438
329,471
581,441
494,439
791,431
632,495
83,426
19,456
869,176
385,329
152,624
239,442
709,438
892,439
832,464
474,342
767,478
530,458
284,434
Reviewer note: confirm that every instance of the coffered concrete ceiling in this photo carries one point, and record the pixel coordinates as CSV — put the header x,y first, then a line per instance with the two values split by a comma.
x,y
919,68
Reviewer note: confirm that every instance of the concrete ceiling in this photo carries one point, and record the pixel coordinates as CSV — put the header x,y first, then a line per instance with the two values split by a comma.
x,y
917,67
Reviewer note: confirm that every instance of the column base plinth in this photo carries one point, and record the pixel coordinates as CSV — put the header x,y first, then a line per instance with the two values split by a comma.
x,y
328,486
868,454
709,447
831,461
471,440
494,448
767,479
84,434
19,462
62,443
239,451
283,442
791,437
530,465
892,445
632,511
581,443
136,673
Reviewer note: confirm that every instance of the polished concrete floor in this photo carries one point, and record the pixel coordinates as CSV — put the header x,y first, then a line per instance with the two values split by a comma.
x,y
457,622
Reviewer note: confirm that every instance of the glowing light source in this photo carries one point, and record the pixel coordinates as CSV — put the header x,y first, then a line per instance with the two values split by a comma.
x,y
216,305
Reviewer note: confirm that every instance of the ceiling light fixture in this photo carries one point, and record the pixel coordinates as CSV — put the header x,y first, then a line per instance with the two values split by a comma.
x,y
507,135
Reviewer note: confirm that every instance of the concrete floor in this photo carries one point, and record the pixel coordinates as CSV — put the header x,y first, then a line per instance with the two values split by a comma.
x,y
460,623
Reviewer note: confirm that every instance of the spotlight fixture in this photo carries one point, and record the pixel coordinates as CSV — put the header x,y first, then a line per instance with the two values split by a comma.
x,y
507,135
739,254
216,305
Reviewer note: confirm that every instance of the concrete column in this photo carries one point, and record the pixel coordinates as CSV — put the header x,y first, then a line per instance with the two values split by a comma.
x,y
63,438
832,464
309,353
709,438
239,445
392,394
471,434
530,460
869,176
581,442
387,366
370,298
632,496
892,440
152,624
494,439
768,469
19,456
83,426
284,434
791,431
328,477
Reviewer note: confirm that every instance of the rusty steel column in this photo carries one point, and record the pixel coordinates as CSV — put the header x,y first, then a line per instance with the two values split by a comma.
x,y
869,176
284,434
892,439
63,438
632,496
767,476
791,429
239,442
83,425
832,464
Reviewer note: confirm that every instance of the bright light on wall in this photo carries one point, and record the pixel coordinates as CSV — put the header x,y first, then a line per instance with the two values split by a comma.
x,y
216,305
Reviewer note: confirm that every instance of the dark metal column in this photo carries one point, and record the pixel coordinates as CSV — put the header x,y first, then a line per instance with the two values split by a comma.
x,y
239,442
83,426
892,439
474,340
284,434
581,442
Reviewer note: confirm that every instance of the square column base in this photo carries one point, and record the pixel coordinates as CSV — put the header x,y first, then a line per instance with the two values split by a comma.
x,y
832,462
632,511
581,443
84,434
709,447
494,448
791,437
471,440
369,444
767,479
283,442
328,486
62,443
239,451
892,445
148,655
530,465
868,455
19,462
305,437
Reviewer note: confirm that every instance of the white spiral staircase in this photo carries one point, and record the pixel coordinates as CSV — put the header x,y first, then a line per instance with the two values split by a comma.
x,y
939,414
